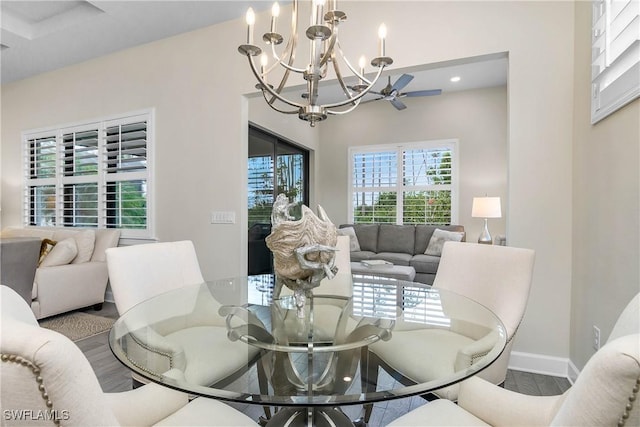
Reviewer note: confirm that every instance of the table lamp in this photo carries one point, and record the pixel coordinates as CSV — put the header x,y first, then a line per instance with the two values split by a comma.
x,y
486,207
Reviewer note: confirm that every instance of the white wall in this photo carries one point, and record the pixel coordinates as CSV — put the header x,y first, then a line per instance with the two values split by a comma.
x,y
196,84
606,207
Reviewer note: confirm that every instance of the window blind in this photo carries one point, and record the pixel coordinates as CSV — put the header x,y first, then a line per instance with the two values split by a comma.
x,y
615,67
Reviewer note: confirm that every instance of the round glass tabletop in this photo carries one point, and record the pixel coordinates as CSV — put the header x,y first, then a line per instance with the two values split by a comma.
x,y
233,340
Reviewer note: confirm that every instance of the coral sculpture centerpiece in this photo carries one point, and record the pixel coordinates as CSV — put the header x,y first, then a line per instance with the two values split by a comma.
x,y
303,250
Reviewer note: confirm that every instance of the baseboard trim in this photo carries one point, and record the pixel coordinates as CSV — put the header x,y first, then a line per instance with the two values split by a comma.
x,y
542,364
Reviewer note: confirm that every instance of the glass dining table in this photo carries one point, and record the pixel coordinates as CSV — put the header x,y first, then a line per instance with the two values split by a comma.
x,y
302,364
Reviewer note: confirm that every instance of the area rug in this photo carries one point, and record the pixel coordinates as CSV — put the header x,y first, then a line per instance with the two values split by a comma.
x,y
77,325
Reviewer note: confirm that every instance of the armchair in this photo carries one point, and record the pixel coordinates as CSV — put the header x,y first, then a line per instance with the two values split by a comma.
x,y
140,272
45,377
605,393
499,278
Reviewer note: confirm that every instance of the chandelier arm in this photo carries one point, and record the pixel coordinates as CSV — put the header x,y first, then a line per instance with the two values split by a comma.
x,y
336,68
270,103
289,52
264,86
353,70
360,95
348,110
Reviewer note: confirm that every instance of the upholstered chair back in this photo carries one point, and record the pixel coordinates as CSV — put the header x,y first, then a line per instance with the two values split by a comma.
x,y
498,277
45,376
341,282
604,394
629,320
139,272
606,391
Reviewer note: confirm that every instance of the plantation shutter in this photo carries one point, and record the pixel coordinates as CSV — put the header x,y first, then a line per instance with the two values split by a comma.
x,y
79,177
375,178
40,168
615,76
125,163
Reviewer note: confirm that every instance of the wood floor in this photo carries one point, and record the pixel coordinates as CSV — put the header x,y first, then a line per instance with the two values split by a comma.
x,y
114,377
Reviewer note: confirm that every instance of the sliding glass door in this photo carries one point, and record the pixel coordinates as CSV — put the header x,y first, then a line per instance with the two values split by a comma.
x,y
275,166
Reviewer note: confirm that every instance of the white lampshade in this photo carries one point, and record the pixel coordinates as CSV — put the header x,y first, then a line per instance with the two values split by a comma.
x,y
486,207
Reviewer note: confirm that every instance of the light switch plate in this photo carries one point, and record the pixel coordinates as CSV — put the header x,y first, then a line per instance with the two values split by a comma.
x,y
223,217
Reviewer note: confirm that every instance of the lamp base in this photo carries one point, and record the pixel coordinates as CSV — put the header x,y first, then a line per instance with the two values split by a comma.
x,y
485,237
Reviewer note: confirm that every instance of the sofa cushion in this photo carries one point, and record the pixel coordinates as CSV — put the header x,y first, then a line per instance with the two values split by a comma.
x,y
61,254
367,236
361,255
85,241
397,258
350,232
439,238
396,238
105,239
425,263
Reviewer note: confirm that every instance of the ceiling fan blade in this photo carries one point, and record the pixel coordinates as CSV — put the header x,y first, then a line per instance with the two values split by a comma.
x,y
423,93
402,81
398,104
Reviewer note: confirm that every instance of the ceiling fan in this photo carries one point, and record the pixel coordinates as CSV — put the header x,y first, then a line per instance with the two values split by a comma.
x,y
392,93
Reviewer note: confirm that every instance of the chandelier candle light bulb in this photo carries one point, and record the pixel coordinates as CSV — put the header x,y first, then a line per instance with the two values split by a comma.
x,y
251,19
275,12
382,33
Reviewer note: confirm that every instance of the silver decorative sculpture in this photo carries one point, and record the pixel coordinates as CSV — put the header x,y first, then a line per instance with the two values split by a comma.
x,y
303,250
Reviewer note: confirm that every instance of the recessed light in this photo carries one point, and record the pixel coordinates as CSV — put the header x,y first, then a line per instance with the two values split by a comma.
x,y
455,79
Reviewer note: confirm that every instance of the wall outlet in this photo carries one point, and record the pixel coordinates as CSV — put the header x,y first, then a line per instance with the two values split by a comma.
x,y
596,337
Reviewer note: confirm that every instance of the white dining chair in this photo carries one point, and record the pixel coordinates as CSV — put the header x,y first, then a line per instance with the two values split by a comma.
x,y
499,278
138,273
604,394
44,374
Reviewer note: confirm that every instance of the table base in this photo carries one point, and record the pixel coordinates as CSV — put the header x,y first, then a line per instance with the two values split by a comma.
x,y
316,417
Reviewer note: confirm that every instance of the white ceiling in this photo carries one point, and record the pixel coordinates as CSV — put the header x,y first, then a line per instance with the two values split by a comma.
x,y
40,36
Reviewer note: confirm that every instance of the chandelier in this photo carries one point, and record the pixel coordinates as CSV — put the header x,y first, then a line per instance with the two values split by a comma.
x,y
324,51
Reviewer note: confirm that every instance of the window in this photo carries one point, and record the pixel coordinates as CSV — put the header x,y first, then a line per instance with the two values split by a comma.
x,y
404,184
91,175
615,66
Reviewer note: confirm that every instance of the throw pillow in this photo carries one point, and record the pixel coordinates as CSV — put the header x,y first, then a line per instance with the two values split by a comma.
x,y
354,245
85,241
45,248
62,253
438,239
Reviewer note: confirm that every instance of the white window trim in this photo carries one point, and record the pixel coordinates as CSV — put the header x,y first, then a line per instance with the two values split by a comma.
x,y
439,143
101,178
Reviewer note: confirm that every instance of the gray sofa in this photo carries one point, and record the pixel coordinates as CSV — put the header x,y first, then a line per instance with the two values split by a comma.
x,y
401,245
